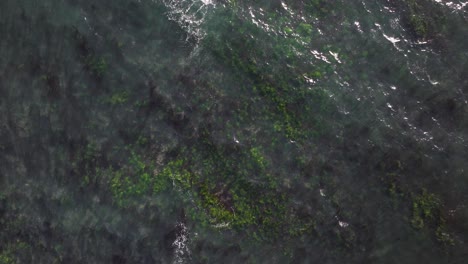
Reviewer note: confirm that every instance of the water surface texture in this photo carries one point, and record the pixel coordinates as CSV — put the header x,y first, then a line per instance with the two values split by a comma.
x,y
233,131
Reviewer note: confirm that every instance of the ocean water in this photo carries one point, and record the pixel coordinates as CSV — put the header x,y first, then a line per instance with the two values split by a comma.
x,y
233,131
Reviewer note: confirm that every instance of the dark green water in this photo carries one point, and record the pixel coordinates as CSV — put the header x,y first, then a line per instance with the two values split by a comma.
x,y
225,131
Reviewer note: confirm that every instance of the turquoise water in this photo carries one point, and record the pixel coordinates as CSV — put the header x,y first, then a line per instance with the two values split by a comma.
x,y
203,131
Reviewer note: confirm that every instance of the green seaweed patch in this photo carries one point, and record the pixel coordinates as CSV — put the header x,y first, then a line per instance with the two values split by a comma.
x,y
86,164
134,180
426,208
12,252
419,25
284,90
304,29
393,187
217,210
427,212
119,98
96,65
230,192
221,191
174,171
423,18
247,196
6,257
443,235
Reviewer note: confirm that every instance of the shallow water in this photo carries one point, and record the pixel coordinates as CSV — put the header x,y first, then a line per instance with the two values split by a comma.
x,y
198,131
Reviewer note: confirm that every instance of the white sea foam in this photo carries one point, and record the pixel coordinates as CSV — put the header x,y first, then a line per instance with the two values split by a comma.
x,y
189,14
181,250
